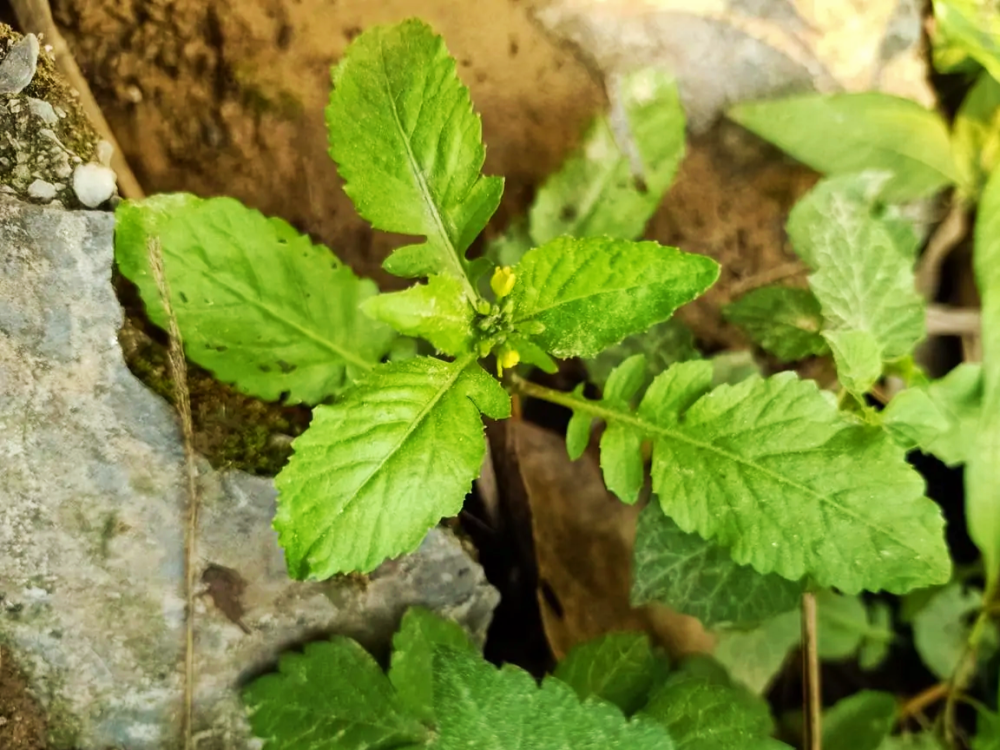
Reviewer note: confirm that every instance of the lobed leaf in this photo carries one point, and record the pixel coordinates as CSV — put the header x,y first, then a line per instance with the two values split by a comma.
x,y
412,668
504,709
436,311
619,668
332,695
849,133
863,266
377,469
594,192
782,320
698,578
982,474
256,302
591,293
976,135
409,147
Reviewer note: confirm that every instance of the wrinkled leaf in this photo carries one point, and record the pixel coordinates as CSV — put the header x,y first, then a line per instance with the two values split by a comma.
x,y
256,302
698,578
619,668
848,133
384,464
782,320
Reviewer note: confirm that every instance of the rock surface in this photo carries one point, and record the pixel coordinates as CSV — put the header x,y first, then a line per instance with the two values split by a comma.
x,y
91,524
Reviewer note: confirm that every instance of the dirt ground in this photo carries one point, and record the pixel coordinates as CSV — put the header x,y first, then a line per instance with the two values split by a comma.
x,y
22,724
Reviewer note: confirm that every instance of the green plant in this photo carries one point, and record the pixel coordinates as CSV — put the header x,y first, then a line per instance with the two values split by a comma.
x,y
765,487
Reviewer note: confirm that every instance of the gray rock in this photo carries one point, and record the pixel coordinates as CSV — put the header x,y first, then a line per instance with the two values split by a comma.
x,y
43,111
93,184
18,67
42,190
91,523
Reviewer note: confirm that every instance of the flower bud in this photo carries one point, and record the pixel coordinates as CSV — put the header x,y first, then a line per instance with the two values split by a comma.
x,y
503,281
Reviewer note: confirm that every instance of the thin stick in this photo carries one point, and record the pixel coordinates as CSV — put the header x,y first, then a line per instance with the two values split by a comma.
x,y
812,704
953,321
178,373
921,701
35,17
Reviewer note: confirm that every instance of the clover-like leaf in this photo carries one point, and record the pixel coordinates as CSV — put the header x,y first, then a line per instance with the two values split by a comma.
x,y
409,147
256,302
782,320
591,293
848,133
377,469
335,695
699,578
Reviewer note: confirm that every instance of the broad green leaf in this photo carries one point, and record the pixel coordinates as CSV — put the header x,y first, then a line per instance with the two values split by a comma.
x,y
702,715
663,344
846,626
698,578
863,264
847,133
411,671
770,470
861,722
489,709
982,473
384,464
619,668
782,320
437,311
591,293
987,731
959,395
256,303
333,695
858,357
976,134
876,643
594,192
971,27
941,629
754,657
409,147
914,419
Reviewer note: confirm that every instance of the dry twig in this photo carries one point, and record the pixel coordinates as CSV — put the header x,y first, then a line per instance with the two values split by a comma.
x,y
813,702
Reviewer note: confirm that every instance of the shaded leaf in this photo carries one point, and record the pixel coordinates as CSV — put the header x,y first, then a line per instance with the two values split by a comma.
x,y
592,293
619,668
698,578
941,629
662,345
976,134
257,303
847,133
782,320
861,722
754,657
914,419
377,469
846,627
858,357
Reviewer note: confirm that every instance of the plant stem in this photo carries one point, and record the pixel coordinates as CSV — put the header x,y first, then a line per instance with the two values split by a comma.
x,y
812,699
967,664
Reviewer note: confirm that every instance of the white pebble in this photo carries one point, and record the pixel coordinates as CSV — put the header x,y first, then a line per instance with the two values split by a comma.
x,y
42,190
93,184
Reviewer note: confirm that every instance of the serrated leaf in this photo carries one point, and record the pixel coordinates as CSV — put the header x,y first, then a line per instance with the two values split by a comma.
x,y
409,147
845,626
437,311
982,473
618,667
662,345
333,695
858,357
848,133
863,265
698,578
754,657
976,134
594,192
504,709
591,293
782,320
377,469
411,671
256,302
772,471
701,715
970,28
941,629
959,395
914,419
861,722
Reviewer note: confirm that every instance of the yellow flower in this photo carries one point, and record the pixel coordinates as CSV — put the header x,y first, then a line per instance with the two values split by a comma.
x,y
506,359
503,281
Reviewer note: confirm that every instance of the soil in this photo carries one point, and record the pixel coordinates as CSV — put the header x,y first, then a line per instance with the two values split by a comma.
x,y
22,723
